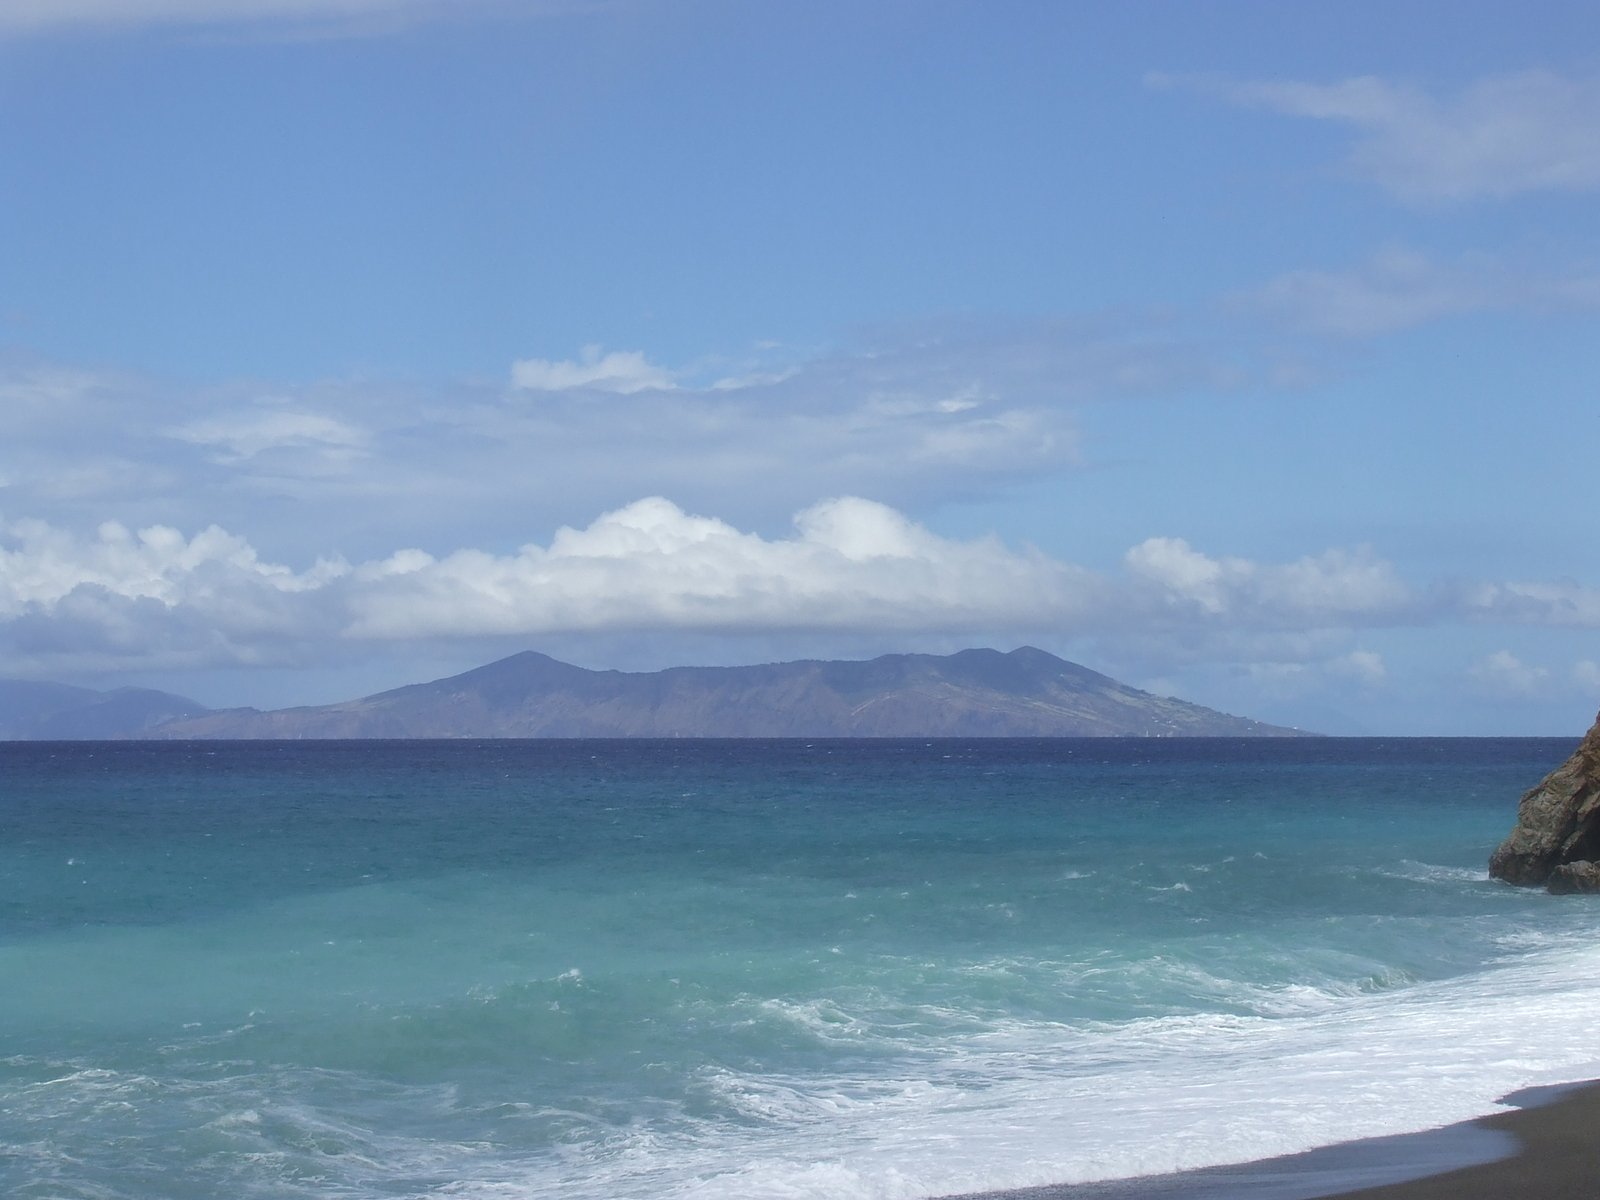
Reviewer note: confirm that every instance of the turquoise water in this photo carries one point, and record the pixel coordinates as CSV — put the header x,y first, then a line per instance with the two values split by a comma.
x,y
744,969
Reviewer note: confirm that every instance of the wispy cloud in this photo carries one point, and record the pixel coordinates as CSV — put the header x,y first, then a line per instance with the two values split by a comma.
x,y
245,435
1366,667
1499,137
1310,674
624,371
1559,604
344,17
1400,288
905,415
1504,674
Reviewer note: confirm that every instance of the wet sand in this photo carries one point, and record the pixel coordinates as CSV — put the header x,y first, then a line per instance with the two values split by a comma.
x,y
1556,1156
1547,1148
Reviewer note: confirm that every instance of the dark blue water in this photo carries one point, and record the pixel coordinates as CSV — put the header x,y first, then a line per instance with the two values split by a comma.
x,y
686,968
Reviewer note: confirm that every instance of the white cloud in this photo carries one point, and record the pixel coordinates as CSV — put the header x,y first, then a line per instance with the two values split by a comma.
x,y
151,598
381,462
849,565
848,568
1560,604
37,390
1311,675
1499,137
245,435
1399,288
1364,666
930,413
1586,674
1394,290
341,16
41,565
1337,587
1503,673
852,564
624,371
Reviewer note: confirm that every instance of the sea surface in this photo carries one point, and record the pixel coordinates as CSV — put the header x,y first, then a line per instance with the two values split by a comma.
x,y
863,969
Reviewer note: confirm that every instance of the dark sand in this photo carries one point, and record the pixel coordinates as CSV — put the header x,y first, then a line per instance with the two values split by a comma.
x,y
1557,1156
1548,1148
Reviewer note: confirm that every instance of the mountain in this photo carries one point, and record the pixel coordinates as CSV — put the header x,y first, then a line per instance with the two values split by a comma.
x,y
57,712
975,693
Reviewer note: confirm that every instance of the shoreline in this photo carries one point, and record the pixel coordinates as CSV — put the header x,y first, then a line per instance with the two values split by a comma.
x,y
1543,1148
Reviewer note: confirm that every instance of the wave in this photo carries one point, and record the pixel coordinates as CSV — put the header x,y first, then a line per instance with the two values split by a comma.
x,y
964,1101
1420,872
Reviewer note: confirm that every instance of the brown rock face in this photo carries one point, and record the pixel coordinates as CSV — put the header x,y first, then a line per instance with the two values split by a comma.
x,y
1568,878
1558,822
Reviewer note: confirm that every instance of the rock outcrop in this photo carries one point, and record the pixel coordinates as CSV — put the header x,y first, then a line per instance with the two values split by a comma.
x,y
1556,841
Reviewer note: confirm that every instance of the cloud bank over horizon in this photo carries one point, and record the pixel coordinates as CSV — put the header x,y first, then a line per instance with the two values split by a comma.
x,y
155,598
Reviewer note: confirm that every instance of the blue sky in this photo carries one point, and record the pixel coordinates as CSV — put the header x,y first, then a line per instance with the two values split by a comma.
x,y
1245,351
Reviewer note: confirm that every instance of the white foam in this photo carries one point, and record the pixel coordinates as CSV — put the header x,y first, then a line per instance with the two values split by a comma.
x,y
1028,1103
1001,1102
1421,872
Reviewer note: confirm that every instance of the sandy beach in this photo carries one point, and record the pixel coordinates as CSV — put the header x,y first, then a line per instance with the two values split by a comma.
x,y
1556,1157
1544,1149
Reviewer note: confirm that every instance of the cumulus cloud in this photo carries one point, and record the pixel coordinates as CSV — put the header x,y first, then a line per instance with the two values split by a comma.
x,y
149,598
41,565
847,567
1337,587
1499,137
851,564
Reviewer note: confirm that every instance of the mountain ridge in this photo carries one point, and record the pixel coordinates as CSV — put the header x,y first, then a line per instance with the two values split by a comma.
x,y
31,711
972,693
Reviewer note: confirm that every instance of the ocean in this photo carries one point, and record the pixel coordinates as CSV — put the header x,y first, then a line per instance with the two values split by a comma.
x,y
840,969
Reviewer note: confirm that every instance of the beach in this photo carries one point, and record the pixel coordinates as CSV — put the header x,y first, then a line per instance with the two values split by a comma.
x,y
728,970
1541,1148
1556,1157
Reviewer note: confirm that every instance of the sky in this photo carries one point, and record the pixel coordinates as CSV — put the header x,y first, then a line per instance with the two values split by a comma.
x,y
1248,352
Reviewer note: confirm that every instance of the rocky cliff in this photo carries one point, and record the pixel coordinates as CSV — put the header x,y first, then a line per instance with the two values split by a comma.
x,y
1556,841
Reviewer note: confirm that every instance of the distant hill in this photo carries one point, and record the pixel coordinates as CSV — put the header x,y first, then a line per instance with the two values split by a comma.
x,y
975,693
54,711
